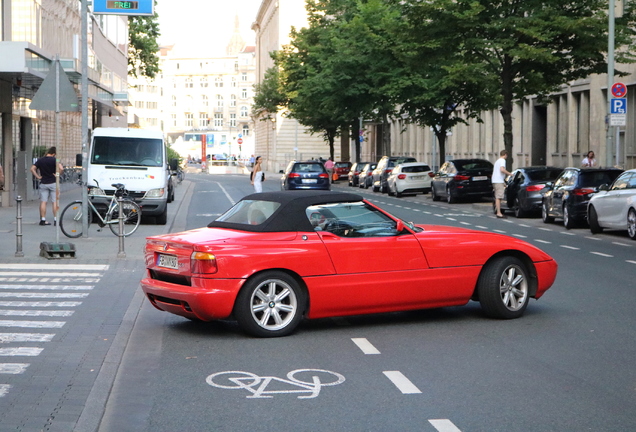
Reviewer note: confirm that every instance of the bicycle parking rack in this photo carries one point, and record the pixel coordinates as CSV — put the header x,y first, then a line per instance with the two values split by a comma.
x,y
50,250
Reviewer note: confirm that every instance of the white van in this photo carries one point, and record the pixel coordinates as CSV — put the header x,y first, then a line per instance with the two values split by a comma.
x,y
136,158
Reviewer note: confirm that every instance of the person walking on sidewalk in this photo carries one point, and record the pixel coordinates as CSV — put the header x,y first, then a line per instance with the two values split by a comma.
x,y
44,169
499,174
329,167
258,176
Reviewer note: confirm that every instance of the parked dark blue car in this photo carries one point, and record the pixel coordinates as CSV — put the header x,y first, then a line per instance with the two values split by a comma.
x,y
305,175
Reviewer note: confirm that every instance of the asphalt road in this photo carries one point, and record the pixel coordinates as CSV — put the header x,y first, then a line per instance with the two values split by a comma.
x,y
565,366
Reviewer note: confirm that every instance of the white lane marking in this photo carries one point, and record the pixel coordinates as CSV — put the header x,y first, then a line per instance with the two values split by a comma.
x,y
48,279
208,214
630,261
226,194
570,247
524,225
26,337
545,229
48,287
32,324
21,351
593,238
602,254
444,425
621,244
57,274
42,295
365,346
87,267
13,368
465,223
451,219
38,304
500,231
542,241
49,313
520,236
481,227
567,233
4,389
401,382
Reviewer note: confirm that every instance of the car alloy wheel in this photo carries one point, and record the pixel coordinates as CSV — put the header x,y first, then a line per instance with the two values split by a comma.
x,y
592,218
545,215
519,212
449,196
631,224
434,194
270,304
503,288
568,221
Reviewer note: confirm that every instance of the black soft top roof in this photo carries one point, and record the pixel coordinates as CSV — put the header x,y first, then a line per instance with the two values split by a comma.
x,y
290,216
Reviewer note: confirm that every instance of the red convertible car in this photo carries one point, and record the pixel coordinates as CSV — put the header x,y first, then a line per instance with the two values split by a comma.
x,y
276,257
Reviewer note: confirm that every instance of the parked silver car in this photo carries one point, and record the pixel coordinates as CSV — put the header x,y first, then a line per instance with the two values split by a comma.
x,y
614,206
410,178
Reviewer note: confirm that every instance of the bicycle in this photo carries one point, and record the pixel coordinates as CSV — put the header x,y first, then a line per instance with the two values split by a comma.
x,y
71,217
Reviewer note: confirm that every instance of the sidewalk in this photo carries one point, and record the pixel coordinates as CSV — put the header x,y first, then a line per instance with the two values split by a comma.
x,y
94,248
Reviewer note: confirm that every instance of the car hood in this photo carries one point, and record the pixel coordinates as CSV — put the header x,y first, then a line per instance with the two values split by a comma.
x,y
446,246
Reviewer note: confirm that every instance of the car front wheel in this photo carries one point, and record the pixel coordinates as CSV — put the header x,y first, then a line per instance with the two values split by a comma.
x,y
592,218
270,305
545,214
568,220
631,224
503,288
434,194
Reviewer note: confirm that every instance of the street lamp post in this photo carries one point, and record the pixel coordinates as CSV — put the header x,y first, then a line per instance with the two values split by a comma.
x,y
610,82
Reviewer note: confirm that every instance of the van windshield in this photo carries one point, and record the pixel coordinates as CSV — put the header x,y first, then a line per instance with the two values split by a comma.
x,y
109,150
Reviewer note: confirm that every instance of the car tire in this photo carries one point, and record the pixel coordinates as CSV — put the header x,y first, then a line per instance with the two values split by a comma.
x,y
545,215
398,194
519,212
503,288
449,196
270,304
161,219
434,194
390,192
592,218
568,220
631,224
375,189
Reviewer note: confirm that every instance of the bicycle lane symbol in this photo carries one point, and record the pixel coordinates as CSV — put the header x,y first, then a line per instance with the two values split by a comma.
x,y
258,385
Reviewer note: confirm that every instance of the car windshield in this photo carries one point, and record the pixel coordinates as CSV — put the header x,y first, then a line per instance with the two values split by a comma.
x,y
351,220
308,167
416,169
473,165
544,175
134,151
596,178
249,212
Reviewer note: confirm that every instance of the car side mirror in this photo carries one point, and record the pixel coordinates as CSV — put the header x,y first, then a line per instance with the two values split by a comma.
x,y
603,187
549,185
399,226
174,164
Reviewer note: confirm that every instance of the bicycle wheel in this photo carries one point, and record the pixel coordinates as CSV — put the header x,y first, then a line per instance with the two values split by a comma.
x,y
132,218
71,220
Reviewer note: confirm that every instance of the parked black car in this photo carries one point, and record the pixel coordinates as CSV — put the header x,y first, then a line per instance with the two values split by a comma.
x,y
354,173
524,189
462,178
384,168
305,175
365,179
570,193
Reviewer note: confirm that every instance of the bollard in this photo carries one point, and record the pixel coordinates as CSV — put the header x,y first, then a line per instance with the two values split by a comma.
x,y
121,253
18,233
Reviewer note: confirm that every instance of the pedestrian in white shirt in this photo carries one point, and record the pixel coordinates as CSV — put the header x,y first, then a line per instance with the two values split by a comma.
x,y
589,161
499,173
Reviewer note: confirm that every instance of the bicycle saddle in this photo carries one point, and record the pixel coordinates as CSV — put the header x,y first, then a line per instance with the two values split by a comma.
x,y
118,185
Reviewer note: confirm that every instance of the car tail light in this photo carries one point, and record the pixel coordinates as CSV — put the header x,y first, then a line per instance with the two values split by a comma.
x,y
323,175
431,174
460,177
388,171
535,188
293,175
356,173
203,263
583,191
401,176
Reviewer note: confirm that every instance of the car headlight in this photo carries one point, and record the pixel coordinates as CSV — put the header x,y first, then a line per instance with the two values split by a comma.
x,y
93,191
155,193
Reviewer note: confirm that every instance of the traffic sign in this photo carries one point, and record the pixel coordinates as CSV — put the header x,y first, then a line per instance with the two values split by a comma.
x,y
240,135
240,140
618,120
618,106
619,90
109,7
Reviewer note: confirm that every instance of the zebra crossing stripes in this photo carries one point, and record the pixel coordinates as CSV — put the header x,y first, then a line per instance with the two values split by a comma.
x,y
34,297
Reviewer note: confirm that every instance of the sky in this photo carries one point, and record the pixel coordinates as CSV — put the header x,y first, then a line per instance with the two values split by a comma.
x,y
204,26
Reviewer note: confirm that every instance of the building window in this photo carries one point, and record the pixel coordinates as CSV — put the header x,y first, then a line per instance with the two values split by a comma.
x,y
218,81
233,81
204,121
218,120
189,83
204,82
232,120
219,101
246,130
204,101
151,105
236,66
174,101
232,100
174,120
189,120
139,104
244,77
243,93
243,112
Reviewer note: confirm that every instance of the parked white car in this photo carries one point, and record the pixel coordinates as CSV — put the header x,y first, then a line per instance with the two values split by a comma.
x,y
410,178
614,206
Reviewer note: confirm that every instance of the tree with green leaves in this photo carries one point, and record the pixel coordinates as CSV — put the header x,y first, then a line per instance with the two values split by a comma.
x,y
143,47
521,47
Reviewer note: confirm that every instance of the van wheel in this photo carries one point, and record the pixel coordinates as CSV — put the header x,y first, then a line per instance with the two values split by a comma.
x,y
162,219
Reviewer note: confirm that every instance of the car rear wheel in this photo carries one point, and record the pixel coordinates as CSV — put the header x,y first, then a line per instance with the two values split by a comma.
x,y
449,196
503,288
434,194
592,218
568,221
631,224
545,214
270,305
519,212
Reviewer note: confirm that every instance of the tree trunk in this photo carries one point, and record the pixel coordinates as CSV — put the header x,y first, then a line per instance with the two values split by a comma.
x,y
506,109
441,140
355,136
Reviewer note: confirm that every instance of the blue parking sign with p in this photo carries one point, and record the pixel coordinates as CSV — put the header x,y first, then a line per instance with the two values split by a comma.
x,y
618,106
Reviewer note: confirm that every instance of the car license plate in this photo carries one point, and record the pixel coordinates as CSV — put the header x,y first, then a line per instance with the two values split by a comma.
x,y
168,261
310,181
478,178
417,177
